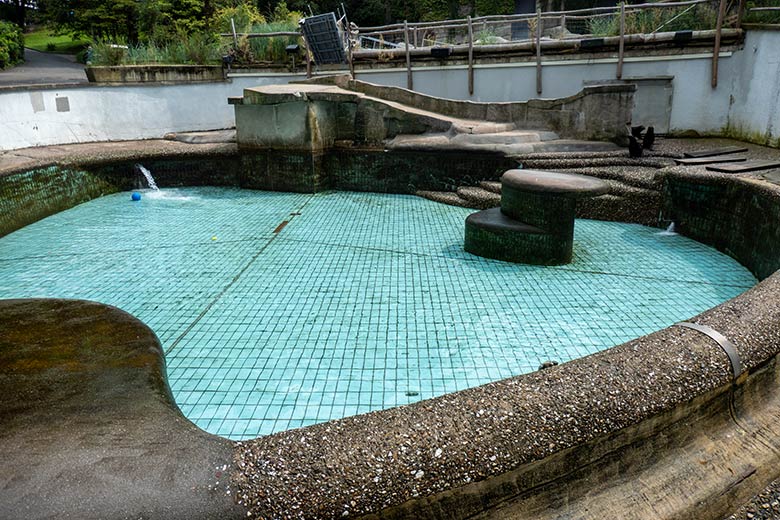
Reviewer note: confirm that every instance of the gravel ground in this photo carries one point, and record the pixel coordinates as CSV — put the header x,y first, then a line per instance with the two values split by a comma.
x,y
764,506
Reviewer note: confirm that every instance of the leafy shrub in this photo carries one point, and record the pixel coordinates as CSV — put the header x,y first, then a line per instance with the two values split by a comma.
x,y
244,15
11,44
83,55
486,37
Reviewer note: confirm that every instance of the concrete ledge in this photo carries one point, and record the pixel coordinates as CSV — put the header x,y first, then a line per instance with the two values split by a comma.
x,y
597,112
154,73
90,428
314,115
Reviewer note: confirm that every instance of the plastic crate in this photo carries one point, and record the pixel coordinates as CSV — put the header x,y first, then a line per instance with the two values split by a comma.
x,y
324,38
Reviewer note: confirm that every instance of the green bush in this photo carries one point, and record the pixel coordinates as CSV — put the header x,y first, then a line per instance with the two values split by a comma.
x,y
11,44
244,16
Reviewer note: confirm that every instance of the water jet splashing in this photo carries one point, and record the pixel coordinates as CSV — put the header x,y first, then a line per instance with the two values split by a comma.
x,y
148,176
670,231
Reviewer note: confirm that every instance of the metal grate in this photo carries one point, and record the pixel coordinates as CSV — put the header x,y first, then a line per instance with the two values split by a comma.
x,y
324,38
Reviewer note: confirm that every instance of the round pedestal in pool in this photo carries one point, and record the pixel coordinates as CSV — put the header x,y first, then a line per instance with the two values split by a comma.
x,y
279,310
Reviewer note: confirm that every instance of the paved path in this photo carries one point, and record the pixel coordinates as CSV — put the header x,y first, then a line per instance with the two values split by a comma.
x,y
41,68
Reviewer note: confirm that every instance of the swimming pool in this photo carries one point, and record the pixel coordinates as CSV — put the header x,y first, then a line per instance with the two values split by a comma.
x,y
279,310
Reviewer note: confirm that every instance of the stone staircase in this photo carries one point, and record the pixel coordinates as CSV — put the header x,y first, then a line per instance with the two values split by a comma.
x,y
634,185
314,116
510,141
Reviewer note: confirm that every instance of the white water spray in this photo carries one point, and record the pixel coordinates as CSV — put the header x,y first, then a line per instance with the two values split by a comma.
x,y
670,231
148,175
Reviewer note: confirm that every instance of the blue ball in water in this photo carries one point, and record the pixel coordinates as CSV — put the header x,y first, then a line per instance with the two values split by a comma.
x,y
136,196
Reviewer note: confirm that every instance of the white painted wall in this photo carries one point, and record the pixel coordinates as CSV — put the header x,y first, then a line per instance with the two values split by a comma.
x,y
695,105
748,96
755,87
115,113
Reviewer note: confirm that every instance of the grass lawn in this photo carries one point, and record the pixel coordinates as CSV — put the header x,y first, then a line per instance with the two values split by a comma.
x,y
40,38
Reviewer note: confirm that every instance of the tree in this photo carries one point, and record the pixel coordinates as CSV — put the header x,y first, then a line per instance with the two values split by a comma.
x,y
129,20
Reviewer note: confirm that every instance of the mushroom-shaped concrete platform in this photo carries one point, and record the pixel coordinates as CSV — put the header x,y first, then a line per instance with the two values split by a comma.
x,y
535,224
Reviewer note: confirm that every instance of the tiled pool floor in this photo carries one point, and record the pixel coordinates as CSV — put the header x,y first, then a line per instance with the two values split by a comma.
x,y
361,302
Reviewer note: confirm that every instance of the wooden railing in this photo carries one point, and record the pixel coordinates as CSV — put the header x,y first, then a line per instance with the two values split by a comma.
x,y
410,38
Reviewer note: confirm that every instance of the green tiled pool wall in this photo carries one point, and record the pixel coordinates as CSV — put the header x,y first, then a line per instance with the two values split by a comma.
x,y
33,195
30,196
280,171
407,172
739,220
381,172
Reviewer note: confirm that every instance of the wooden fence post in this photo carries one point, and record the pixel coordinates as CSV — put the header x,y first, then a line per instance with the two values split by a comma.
x,y
471,58
622,44
538,50
740,13
409,82
716,50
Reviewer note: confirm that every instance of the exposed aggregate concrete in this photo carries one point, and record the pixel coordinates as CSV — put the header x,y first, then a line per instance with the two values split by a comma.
x,y
99,153
764,506
362,464
480,197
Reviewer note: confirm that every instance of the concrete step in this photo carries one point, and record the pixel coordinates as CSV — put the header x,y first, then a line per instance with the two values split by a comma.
x,y
638,176
505,138
214,136
446,141
493,186
462,126
479,197
572,145
445,197
519,143
571,163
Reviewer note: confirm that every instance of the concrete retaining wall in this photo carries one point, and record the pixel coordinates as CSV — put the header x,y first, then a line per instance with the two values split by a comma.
x,y
754,102
45,116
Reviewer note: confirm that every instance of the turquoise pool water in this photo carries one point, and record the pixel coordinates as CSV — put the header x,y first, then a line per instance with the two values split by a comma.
x,y
361,302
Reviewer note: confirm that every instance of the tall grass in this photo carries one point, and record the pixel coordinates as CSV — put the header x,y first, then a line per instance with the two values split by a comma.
x,y
195,49
767,17
695,18
270,49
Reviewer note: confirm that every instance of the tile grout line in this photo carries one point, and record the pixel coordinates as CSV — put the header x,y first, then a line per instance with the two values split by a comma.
x,y
479,259
232,282
130,249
